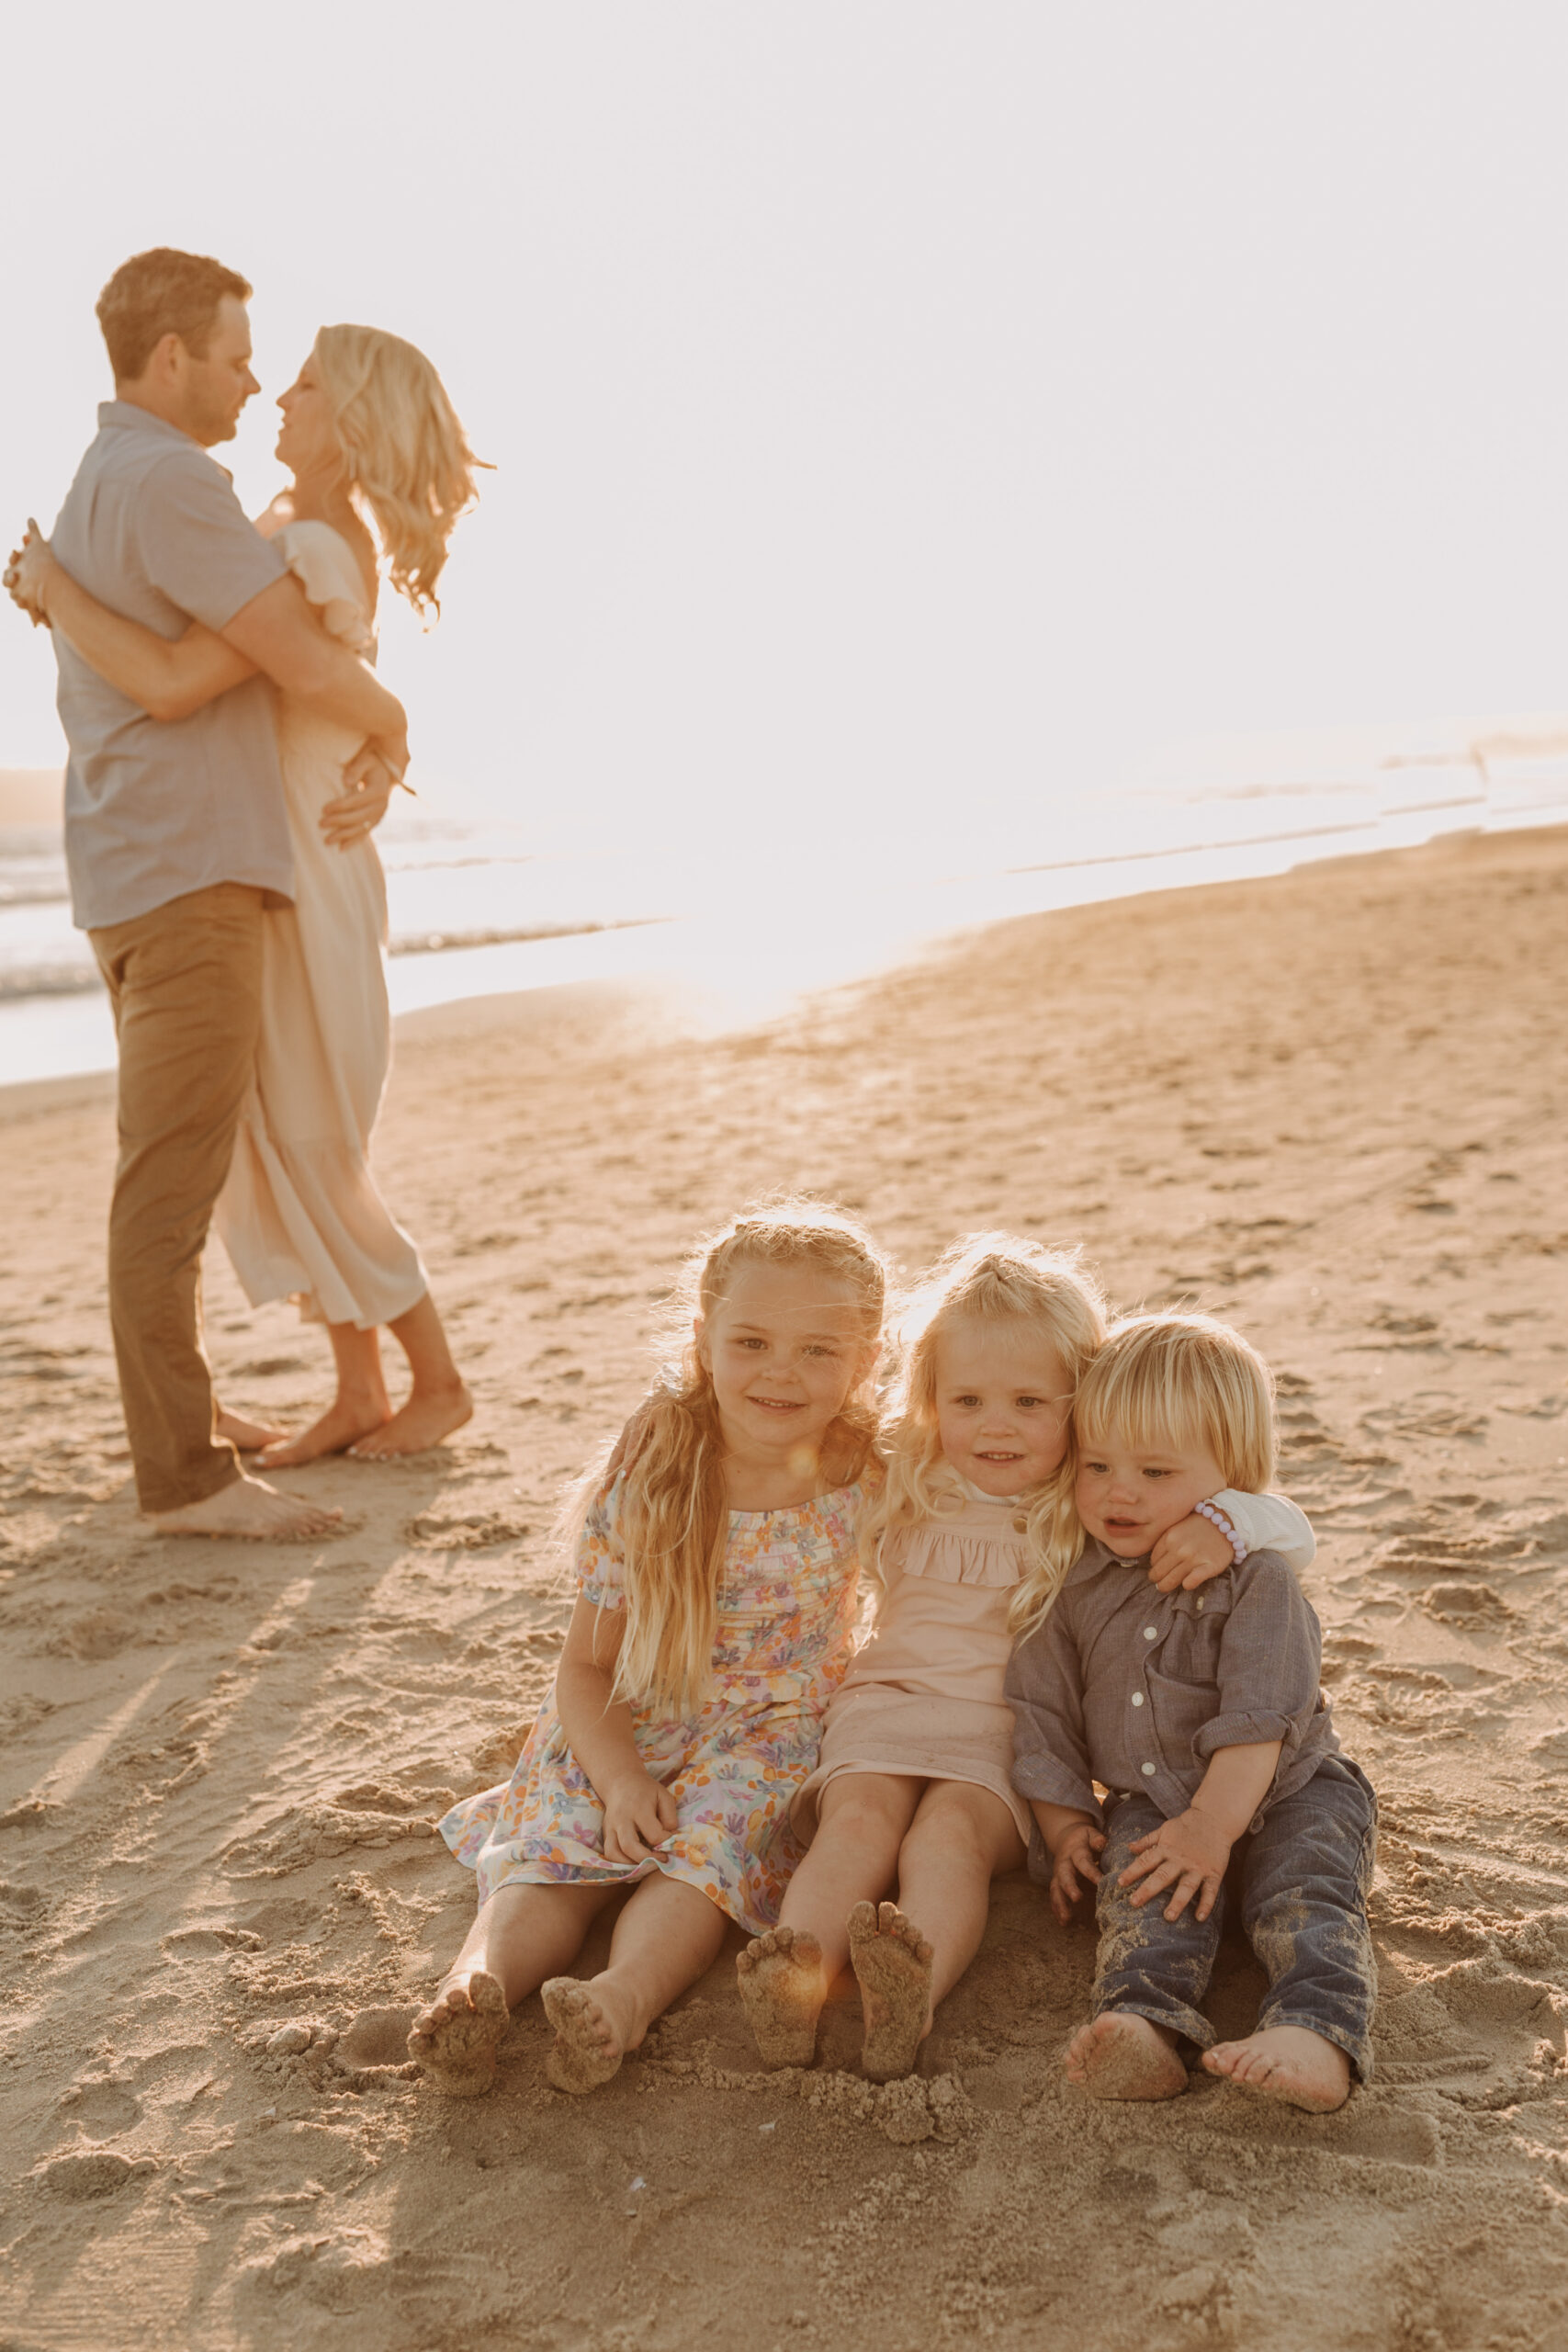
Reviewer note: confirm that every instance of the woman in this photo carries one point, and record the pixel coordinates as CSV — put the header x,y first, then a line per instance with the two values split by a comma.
x,y
374,446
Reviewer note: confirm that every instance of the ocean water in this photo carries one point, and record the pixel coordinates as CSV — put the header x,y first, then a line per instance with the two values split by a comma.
x,y
476,910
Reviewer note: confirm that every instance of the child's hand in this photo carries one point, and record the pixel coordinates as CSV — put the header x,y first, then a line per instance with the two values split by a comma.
x,y
1188,1855
1073,1871
639,1814
1189,1553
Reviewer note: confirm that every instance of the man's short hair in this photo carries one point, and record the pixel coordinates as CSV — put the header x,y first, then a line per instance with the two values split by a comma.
x,y
159,293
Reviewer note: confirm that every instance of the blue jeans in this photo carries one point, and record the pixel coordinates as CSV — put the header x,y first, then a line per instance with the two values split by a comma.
x,y
1302,1881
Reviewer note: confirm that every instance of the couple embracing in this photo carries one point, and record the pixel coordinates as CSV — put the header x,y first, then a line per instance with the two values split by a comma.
x,y
231,752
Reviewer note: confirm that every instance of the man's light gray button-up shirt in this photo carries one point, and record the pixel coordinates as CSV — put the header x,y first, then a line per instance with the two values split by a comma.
x,y
1137,1689
155,809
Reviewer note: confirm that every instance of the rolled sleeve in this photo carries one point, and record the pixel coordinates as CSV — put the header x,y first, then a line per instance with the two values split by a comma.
x,y
195,541
1050,1747
1245,1731
1269,1663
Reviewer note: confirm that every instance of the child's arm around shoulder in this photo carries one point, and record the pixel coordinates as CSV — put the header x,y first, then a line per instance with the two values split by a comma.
x,y
1202,1547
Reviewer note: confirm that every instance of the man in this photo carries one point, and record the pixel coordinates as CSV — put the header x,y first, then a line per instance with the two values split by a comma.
x,y
177,841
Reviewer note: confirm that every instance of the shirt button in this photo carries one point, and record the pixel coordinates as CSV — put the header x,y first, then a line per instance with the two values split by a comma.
x,y
1150,1633
1021,1526
1199,1608
1137,1698
1148,1771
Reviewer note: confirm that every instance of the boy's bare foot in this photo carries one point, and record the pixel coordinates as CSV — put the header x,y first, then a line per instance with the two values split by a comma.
x,y
892,1961
1286,2062
246,1437
346,1419
1121,2055
455,2038
780,1975
428,1416
587,2050
250,1507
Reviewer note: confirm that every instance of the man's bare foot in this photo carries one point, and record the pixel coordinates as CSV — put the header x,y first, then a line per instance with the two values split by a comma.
x,y
1121,2055
1287,2062
250,1507
428,1416
587,2049
246,1437
345,1419
892,1961
455,2038
780,1975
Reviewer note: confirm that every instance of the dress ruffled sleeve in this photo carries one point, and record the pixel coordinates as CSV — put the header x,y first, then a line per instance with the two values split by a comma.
x,y
322,563
600,1561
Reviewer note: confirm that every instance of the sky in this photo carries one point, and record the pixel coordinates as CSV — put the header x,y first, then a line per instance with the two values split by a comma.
x,y
904,415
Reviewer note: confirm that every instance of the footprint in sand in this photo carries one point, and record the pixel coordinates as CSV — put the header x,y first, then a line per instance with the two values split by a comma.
x,y
456,2037
779,1977
892,1963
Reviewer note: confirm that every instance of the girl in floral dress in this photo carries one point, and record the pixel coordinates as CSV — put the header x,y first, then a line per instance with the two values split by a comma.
x,y
718,1572
969,1538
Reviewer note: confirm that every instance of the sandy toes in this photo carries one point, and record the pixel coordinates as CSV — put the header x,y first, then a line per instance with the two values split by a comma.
x,y
422,1422
1122,2056
1288,2062
585,2053
780,1977
455,2038
892,1961
249,1508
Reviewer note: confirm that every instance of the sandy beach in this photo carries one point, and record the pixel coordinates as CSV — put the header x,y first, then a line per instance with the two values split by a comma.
x,y
1330,1107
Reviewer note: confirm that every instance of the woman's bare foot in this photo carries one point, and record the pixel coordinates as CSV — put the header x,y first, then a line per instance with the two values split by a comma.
x,y
780,1975
430,1415
249,1508
455,2038
1121,2055
588,2049
1287,2062
892,1961
345,1419
246,1437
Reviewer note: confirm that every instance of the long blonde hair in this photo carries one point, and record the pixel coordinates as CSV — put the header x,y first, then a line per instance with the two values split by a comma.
x,y
989,1278
667,1466
1177,1380
411,470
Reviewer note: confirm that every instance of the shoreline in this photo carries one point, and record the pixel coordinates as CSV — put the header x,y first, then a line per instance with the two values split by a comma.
x,y
1328,1105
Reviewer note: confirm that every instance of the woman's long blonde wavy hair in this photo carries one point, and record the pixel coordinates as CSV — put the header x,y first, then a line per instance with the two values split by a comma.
x,y
995,1280
672,1509
411,470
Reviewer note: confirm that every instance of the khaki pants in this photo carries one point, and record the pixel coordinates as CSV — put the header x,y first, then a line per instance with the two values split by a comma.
x,y
186,984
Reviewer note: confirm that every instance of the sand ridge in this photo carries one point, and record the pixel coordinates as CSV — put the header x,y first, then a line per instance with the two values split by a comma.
x,y
1331,1106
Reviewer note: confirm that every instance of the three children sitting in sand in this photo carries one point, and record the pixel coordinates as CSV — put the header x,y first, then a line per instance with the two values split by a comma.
x,y
1083,1586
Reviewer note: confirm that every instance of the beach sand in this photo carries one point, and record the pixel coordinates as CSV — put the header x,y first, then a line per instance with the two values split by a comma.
x,y
1330,1106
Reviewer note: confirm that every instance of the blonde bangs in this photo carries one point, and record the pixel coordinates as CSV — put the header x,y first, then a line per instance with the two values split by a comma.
x,y
1166,1382
410,469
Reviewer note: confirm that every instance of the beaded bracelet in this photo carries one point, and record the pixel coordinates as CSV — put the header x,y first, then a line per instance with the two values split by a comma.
x,y
1216,1517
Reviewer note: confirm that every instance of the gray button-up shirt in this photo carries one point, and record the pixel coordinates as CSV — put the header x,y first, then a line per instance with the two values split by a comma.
x,y
155,808
1137,1689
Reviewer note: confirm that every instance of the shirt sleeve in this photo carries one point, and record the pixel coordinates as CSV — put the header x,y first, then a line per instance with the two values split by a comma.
x,y
1269,1665
195,544
1270,1523
1050,1746
600,1561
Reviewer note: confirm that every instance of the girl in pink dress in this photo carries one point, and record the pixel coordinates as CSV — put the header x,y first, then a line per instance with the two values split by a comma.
x,y
717,1568
969,1539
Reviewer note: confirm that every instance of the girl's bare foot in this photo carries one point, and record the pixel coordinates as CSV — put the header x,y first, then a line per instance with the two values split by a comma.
x,y
587,2049
892,1961
430,1415
345,1419
780,1975
1287,2062
246,1437
248,1508
455,2038
1121,2055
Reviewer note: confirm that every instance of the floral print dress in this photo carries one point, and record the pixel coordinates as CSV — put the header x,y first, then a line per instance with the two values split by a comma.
x,y
786,1610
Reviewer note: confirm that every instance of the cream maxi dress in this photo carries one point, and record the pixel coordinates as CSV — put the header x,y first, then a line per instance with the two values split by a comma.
x,y
301,1216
